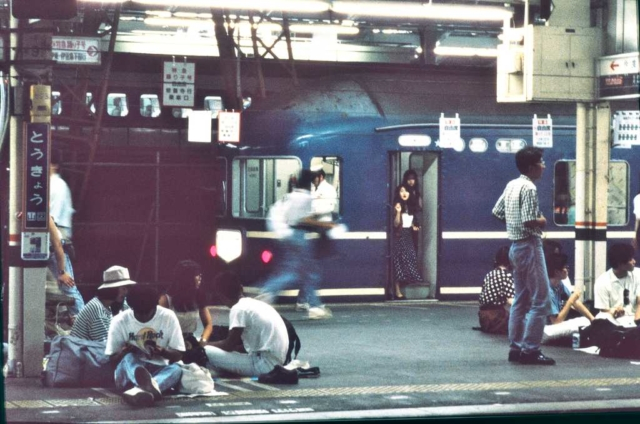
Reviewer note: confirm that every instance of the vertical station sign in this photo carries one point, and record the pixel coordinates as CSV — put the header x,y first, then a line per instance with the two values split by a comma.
x,y
229,127
36,176
449,132
178,88
542,132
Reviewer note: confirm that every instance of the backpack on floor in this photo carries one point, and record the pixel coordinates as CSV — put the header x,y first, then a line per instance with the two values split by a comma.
x,y
294,341
614,341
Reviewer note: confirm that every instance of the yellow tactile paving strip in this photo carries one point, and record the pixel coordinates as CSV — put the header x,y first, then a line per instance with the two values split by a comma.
x,y
352,391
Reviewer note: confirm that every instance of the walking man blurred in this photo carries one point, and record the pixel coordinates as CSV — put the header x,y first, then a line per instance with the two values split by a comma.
x,y
518,208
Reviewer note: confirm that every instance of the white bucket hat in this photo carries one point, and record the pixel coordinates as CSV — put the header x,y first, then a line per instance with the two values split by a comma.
x,y
116,276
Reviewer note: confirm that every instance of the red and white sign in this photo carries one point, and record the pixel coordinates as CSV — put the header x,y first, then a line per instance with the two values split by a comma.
x,y
76,50
178,88
449,132
229,127
542,132
628,63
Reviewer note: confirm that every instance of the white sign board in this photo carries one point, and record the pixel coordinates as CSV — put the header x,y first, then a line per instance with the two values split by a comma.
x,y
542,132
199,126
449,132
178,88
76,50
626,128
229,127
619,76
35,246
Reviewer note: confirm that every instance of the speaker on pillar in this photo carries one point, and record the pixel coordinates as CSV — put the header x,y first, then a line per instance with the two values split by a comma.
x,y
44,9
546,7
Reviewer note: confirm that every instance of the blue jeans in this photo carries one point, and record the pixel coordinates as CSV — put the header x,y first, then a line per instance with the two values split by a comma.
x,y
246,364
74,309
167,376
532,302
298,267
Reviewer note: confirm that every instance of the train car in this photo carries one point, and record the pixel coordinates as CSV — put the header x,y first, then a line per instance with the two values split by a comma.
x,y
364,130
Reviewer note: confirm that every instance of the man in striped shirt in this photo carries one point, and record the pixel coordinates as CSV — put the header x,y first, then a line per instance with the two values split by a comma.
x,y
518,208
92,323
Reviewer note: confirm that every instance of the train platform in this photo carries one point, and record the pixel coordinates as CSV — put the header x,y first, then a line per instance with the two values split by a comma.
x,y
401,359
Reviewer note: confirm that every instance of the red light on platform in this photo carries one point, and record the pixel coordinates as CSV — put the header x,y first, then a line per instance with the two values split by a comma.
x,y
213,251
266,256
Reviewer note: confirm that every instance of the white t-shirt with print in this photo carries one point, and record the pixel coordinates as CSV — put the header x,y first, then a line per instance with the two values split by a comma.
x,y
264,329
163,329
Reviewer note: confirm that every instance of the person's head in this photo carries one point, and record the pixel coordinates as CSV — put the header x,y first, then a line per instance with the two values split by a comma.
x,y
227,288
115,284
529,162
557,268
319,177
185,282
410,178
620,257
502,258
305,179
401,195
143,301
551,246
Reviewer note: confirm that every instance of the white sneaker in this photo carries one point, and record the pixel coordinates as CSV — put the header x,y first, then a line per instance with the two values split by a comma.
x,y
302,306
147,383
138,397
320,312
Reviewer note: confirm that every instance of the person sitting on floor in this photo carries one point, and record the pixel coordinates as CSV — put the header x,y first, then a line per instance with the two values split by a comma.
x,y
257,340
93,321
497,294
563,302
145,341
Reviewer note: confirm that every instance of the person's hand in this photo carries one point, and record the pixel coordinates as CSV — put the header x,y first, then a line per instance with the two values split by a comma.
x,y
154,349
66,280
415,228
617,312
542,221
398,207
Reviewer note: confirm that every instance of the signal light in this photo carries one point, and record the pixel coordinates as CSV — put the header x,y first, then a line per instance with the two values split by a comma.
x,y
213,251
266,256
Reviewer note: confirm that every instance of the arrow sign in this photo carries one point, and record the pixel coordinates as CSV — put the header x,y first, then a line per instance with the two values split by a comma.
x,y
613,65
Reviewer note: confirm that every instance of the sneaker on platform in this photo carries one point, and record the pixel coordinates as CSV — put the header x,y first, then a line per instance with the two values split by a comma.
x,y
320,312
147,383
138,397
302,306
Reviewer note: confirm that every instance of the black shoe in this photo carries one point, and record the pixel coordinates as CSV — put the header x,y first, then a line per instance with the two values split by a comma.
x,y
279,375
535,358
514,356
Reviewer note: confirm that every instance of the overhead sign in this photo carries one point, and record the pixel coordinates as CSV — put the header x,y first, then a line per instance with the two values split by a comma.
x,y
542,132
76,50
229,127
36,176
178,88
626,128
619,76
35,246
449,132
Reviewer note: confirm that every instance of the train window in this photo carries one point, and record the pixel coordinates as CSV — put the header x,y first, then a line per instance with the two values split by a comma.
x,y
214,104
257,183
331,167
510,145
117,104
89,102
478,145
149,105
56,103
181,112
564,196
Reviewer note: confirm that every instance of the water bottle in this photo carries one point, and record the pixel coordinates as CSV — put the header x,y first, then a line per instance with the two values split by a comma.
x,y
19,370
575,338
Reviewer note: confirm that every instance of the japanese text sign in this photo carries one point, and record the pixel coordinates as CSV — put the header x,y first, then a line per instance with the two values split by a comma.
x,y
36,176
542,131
178,88
76,50
449,132
229,127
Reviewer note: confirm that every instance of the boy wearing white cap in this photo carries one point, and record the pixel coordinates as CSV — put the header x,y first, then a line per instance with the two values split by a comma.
x,y
92,323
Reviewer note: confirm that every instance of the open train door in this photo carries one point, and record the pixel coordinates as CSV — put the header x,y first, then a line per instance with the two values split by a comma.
x,y
426,165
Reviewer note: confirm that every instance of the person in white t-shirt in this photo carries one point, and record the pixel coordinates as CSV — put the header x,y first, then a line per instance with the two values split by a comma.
x,y
257,340
324,197
617,291
145,341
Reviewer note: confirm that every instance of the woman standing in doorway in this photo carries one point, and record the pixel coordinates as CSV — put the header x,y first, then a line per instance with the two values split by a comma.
x,y
410,180
405,259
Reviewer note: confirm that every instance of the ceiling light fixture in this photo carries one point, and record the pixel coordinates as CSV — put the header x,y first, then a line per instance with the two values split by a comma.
x,y
282,5
465,51
323,29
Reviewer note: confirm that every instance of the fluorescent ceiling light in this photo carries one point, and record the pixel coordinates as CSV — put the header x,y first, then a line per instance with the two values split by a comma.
x,y
465,51
175,22
451,12
323,29
282,5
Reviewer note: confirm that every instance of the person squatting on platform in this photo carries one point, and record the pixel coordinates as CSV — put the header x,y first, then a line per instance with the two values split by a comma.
x,y
93,321
496,296
563,302
617,291
518,208
145,341
257,340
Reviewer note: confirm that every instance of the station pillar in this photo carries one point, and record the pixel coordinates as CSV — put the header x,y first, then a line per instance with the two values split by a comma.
x,y
593,122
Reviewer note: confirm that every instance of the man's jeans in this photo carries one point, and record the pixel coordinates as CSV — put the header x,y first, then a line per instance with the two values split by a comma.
x,y
532,302
247,364
167,376
298,267
74,309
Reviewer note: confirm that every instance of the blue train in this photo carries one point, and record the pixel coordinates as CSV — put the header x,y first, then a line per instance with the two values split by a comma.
x,y
364,130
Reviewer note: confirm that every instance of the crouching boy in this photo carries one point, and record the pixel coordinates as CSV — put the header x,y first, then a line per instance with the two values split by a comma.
x,y
145,341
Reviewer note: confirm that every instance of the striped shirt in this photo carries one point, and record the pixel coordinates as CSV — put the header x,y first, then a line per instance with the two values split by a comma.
x,y
519,204
92,323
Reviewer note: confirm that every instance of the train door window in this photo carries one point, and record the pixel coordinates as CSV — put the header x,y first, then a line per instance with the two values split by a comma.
x,y
89,102
257,183
331,167
56,103
149,105
117,104
214,104
564,201
181,112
